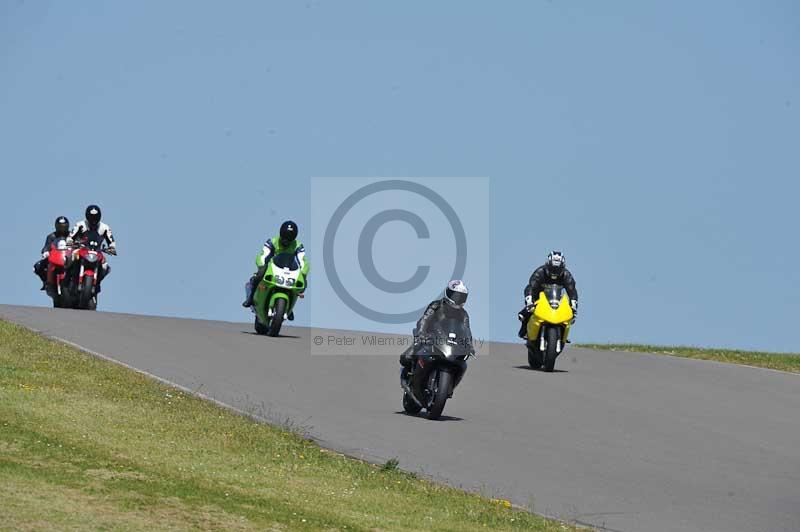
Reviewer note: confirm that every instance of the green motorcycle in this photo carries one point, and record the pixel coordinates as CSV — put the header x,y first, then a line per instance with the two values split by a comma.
x,y
277,293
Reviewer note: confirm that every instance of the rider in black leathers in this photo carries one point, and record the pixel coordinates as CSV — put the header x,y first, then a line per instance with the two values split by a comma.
x,y
61,231
554,271
450,306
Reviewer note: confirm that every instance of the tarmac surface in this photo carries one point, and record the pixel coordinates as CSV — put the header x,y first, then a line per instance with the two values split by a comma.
x,y
621,441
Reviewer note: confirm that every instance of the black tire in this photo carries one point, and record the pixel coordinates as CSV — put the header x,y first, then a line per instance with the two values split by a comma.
x,y
67,298
277,317
534,355
260,329
409,405
553,336
86,292
442,392
63,300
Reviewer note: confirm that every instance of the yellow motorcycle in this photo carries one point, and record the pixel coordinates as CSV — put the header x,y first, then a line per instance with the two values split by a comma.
x,y
548,327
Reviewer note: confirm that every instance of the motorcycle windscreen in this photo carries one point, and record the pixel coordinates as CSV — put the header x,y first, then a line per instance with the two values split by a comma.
x,y
452,337
553,293
286,260
93,240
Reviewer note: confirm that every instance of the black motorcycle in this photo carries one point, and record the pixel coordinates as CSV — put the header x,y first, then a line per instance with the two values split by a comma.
x,y
440,365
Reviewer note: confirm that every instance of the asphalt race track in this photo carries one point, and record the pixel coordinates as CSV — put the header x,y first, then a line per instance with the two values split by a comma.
x,y
626,442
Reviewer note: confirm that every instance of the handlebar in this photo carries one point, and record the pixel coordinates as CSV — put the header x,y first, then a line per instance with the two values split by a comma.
x,y
109,251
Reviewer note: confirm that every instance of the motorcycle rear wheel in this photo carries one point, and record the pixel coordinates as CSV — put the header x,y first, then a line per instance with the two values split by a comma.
x,y
409,405
260,329
534,356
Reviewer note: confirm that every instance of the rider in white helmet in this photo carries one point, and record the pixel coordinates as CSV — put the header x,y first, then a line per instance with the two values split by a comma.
x,y
449,306
92,225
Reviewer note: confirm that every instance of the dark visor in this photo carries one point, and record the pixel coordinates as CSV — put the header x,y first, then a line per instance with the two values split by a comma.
x,y
459,298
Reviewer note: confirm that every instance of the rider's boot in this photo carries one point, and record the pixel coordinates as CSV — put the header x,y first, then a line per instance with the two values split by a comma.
x,y
405,376
41,272
254,282
524,315
248,302
102,273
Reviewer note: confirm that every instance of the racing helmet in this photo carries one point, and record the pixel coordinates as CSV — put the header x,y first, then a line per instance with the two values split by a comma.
x,y
456,293
62,226
556,264
93,215
288,232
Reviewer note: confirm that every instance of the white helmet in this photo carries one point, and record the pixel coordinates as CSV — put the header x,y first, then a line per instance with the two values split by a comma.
x,y
456,293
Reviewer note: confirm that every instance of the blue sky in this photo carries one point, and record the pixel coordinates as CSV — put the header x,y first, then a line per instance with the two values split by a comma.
x,y
655,143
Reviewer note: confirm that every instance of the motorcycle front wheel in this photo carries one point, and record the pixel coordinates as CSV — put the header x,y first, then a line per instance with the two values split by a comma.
x,y
86,292
552,338
441,392
277,317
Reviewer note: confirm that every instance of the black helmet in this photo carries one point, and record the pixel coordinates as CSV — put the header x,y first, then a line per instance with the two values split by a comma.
x,y
456,293
288,232
93,215
62,226
556,263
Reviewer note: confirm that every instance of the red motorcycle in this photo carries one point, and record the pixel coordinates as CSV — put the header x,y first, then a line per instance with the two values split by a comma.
x,y
59,259
89,258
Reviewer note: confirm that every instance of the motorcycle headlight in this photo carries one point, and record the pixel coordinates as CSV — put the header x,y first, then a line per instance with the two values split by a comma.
x,y
289,282
91,257
277,279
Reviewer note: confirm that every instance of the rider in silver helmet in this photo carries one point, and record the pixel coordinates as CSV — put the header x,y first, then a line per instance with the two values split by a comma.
x,y
451,305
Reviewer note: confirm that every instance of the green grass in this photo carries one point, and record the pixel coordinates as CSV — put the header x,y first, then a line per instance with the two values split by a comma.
x,y
780,361
88,444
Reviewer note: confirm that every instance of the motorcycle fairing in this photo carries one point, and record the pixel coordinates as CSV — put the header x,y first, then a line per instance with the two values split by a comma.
x,y
545,313
282,280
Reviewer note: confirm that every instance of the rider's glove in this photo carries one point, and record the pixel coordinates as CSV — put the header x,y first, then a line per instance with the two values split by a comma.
x,y
46,254
112,248
529,301
574,304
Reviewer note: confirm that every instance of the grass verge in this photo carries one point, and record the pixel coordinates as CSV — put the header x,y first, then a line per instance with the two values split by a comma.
x,y
88,444
781,361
